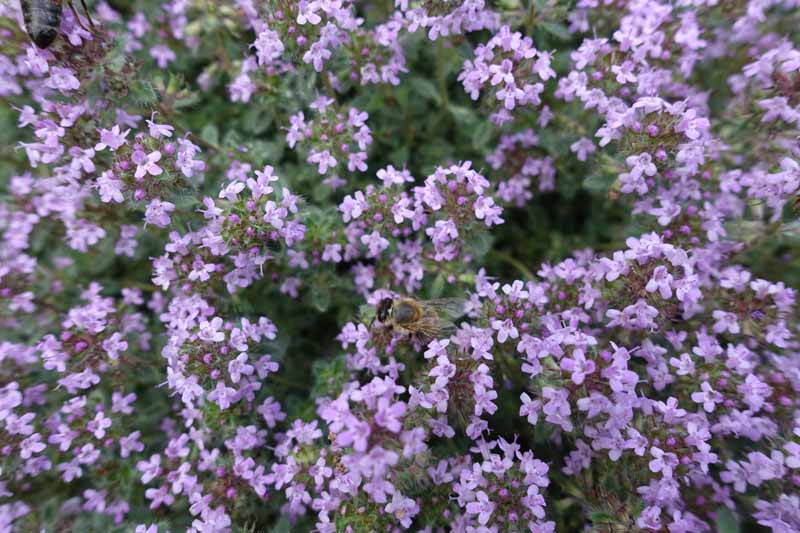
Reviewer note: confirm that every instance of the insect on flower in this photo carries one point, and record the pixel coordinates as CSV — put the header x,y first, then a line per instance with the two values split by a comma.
x,y
425,319
43,18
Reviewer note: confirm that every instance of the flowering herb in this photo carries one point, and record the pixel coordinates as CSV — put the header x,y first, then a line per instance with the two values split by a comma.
x,y
204,204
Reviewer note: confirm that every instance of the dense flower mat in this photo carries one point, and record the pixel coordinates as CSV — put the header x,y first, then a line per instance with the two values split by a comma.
x,y
590,207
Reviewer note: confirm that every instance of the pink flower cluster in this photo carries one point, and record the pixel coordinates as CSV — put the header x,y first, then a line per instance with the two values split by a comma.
x,y
647,382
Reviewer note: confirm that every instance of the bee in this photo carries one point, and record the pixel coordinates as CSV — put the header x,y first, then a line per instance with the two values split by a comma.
x,y
43,18
425,319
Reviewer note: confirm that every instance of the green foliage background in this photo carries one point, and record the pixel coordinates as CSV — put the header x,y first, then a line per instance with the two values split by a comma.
x,y
426,121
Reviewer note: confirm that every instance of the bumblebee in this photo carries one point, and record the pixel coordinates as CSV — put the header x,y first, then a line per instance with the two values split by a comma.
x,y
425,319
43,19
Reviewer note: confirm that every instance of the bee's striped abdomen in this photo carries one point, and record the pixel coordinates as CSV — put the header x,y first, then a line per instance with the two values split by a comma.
x,y
42,20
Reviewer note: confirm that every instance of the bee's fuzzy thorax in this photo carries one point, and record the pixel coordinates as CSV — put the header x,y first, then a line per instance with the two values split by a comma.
x,y
406,310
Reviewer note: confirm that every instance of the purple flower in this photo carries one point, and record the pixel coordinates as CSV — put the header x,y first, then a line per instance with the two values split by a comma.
x,y
390,176
109,187
99,425
239,367
160,496
130,444
557,408
792,455
375,243
515,291
114,345
482,506
357,161
505,330
150,469
159,130
242,88
650,518
437,348
323,159
95,500
268,47
147,164
31,445
725,322
20,425
530,408
122,404
660,282
404,509
63,80
708,397
440,427
112,139
223,395
231,191
662,462
162,54
157,213
317,54
578,365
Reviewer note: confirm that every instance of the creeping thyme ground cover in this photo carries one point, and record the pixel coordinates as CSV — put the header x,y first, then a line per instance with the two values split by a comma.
x,y
203,202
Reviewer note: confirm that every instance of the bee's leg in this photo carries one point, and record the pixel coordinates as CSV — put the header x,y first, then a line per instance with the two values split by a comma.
x,y
88,15
77,17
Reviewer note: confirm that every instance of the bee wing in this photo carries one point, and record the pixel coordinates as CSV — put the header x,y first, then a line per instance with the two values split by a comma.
x,y
429,329
448,308
432,326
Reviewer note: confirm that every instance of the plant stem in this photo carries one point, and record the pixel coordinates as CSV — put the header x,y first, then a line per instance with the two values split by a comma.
x,y
440,74
530,19
282,380
516,263
328,85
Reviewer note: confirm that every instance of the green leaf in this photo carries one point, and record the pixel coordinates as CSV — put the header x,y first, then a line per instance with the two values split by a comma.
x,y
401,95
186,101
49,511
598,183
557,30
400,155
425,88
482,134
116,62
265,152
553,142
438,286
727,521
143,93
210,133
601,517
94,91
481,243
320,297
282,526
174,84
791,231
464,116
256,122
